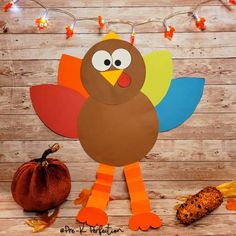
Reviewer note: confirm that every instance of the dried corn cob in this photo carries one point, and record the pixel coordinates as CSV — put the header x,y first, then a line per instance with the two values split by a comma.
x,y
199,205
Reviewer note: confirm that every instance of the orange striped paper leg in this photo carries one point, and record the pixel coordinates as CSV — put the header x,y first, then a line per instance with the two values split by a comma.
x,y
93,214
142,217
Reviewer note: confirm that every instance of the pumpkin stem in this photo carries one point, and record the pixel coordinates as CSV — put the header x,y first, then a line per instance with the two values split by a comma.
x,y
55,147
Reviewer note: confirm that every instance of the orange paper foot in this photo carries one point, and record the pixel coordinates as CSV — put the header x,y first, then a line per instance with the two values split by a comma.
x,y
92,216
144,221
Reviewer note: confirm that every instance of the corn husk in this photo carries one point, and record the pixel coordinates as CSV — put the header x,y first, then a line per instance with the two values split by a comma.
x,y
228,189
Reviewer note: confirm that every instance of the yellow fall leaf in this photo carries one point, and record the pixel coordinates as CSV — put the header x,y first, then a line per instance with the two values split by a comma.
x,y
37,225
45,220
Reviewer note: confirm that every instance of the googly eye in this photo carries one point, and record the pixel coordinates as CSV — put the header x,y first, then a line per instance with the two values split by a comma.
x,y
121,58
102,60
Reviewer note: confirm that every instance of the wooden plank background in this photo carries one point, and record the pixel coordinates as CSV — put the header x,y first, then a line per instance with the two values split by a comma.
x,y
199,153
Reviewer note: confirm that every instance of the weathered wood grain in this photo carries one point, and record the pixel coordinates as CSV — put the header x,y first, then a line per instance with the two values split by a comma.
x,y
51,46
34,72
211,225
164,150
115,208
156,189
201,152
114,3
154,171
216,71
218,19
214,126
216,98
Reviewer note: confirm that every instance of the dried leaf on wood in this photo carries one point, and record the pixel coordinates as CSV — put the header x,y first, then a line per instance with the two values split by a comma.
x,y
44,221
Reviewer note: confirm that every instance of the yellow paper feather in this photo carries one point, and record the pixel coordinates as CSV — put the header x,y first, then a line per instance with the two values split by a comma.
x,y
159,71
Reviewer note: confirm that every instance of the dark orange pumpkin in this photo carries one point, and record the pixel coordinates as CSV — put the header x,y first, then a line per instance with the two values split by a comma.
x,y
42,183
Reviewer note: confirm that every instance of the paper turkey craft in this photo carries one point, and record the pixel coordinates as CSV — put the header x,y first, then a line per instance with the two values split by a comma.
x,y
115,101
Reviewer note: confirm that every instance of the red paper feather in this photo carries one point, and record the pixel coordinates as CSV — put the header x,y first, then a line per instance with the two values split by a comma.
x,y
58,107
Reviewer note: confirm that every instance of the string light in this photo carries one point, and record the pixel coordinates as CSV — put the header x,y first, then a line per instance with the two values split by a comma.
x,y
70,30
101,22
200,22
132,37
42,22
169,31
8,6
232,2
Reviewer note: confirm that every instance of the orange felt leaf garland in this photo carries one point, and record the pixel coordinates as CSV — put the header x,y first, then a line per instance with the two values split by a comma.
x,y
41,23
232,2
8,6
132,38
69,32
169,32
200,23
101,22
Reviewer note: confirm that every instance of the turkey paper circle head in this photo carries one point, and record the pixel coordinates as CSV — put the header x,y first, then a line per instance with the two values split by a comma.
x,y
113,71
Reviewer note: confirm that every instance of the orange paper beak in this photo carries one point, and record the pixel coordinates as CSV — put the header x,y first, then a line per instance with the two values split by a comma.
x,y
112,76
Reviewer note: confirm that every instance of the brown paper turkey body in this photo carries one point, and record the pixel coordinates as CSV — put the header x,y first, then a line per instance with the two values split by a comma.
x,y
112,116
110,101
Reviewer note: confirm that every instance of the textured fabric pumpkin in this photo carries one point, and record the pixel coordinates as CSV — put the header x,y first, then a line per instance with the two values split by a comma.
x,y
42,183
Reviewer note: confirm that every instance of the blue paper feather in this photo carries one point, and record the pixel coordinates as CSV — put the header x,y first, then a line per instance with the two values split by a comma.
x,y
180,102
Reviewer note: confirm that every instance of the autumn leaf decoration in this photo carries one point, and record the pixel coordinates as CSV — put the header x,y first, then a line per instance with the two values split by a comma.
x,y
231,204
44,221
200,23
83,197
69,31
169,32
